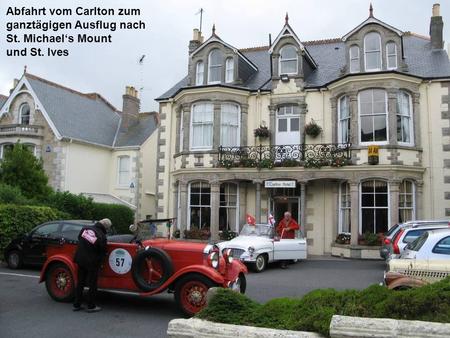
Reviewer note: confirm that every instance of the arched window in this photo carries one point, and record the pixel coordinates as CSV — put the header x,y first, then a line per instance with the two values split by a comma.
x,y
344,120
229,70
288,60
407,202
215,61
391,55
404,118
374,206
199,71
199,205
344,208
372,51
354,59
229,125
123,171
24,113
202,120
373,116
229,206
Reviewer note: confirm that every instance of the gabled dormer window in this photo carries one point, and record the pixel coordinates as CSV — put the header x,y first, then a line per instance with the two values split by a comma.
x,y
288,60
229,70
24,114
199,71
215,61
372,51
391,55
354,59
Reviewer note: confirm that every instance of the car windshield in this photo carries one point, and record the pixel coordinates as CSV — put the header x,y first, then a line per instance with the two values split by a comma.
x,y
418,242
262,230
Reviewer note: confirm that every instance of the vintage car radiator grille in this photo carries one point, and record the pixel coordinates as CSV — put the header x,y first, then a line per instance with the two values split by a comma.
x,y
236,253
425,275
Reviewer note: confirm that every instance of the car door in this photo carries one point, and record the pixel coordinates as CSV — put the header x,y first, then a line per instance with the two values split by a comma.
x,y
290,249
35,253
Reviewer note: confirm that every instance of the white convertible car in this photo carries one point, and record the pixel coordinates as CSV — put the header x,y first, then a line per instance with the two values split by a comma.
x,y
257,245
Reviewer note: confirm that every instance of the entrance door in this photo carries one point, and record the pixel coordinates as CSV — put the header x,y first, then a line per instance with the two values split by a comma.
x,y
288,125
281,205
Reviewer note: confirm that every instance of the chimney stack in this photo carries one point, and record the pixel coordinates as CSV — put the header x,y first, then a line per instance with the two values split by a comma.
x,y
130,108
436,28
196,41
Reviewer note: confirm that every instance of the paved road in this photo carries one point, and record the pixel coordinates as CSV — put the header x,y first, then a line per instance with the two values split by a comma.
x,y
26,310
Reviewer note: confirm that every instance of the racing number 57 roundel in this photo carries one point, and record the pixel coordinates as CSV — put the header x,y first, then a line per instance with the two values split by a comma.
x,y
120,261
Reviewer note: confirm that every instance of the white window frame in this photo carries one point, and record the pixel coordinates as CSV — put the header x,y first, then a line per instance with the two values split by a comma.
x,y
229,70
181,131
413,194
411,122
219,65
191,129
373,51
119,184
2,148
341,209
388,204
238,143
394,54
34,147
232,207
199,73
188,218
341,120
285,60
355,47
386,118
21,115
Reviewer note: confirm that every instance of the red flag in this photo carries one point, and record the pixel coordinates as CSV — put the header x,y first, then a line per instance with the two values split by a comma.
x,y
251,220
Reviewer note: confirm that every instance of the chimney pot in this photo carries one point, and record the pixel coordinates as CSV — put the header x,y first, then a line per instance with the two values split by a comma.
x,y
436,10
196,35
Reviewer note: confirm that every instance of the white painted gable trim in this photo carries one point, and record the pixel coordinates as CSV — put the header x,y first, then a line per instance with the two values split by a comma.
x,y
369,21
37,103
295,37
234,49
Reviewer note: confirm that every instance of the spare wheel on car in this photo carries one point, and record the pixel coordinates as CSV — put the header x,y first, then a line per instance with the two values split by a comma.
x,y
151,269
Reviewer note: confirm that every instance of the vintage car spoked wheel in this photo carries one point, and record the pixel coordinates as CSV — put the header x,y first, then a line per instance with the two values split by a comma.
x,y
59,283
190,293
260,263
14,259
151,268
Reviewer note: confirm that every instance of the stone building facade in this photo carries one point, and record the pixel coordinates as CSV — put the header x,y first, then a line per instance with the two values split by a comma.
x,y
377,89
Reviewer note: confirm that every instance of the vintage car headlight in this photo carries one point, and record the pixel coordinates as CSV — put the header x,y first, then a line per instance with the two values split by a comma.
x,y
228,255
251,249
213,259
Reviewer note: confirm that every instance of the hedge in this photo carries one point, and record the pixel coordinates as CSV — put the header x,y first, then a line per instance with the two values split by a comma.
x,y
78,206
121,216
11,195
313,312
19,219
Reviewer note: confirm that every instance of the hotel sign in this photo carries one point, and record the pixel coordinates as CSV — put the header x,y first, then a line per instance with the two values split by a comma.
x,y
280,184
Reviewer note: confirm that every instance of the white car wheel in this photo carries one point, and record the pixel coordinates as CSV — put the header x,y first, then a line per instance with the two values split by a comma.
x,y
260,263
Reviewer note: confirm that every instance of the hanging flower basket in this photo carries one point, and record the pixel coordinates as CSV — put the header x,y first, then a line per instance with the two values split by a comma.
x,y
313,129
261,132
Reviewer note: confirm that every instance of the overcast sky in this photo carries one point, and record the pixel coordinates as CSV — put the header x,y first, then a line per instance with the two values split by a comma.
x,y
108,68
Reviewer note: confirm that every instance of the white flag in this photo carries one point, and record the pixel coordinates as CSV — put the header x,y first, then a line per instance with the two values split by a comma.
x,y
271,219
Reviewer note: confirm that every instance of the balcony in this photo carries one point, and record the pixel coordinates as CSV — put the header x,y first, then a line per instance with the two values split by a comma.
x,y
292,155
20,130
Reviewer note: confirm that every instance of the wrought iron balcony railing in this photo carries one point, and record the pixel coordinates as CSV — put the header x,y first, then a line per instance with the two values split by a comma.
x,y
292,155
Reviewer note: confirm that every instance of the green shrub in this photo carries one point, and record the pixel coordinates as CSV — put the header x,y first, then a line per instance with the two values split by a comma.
x,y
78,206
314,311
11,195
19,219
121,216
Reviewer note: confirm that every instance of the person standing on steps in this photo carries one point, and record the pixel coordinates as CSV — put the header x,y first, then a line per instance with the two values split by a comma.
x,y
286,229
89,257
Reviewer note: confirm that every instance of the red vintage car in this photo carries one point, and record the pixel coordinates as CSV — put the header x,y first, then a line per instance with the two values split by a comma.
x,y
187,269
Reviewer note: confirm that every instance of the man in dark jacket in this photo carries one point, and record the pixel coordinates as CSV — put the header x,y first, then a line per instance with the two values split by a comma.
x,y
89,256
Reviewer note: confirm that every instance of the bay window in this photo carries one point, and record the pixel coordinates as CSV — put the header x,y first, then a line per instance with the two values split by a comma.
x,y
404,118
229,125
199,205
407,203
202,126
373,116
344,120
374,206
228,210
344,208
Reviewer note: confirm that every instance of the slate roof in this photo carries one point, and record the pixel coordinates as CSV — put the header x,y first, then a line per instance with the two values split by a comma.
x,y
138,133
3,99
421,60
86,117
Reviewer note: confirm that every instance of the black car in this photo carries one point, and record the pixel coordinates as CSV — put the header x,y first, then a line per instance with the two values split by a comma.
x,y
30,247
